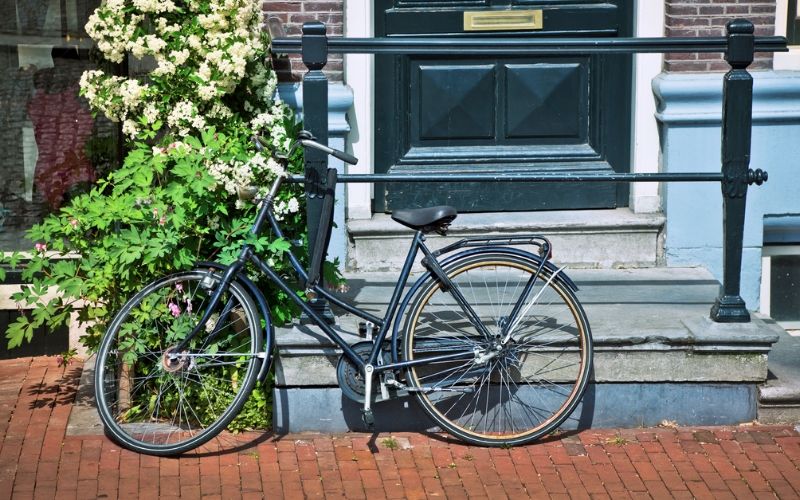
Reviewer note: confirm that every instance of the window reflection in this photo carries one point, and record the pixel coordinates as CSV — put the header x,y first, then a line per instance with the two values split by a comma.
x,y
52,148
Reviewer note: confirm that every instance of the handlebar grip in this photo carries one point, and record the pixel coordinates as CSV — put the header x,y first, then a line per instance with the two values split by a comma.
x,y
347,158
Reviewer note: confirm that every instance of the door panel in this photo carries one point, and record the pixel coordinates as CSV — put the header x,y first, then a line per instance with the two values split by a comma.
x,y
462,113
452,103
556,101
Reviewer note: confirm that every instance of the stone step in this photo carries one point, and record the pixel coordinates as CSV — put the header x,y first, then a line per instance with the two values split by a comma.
x,y
657,356
581,238
779,397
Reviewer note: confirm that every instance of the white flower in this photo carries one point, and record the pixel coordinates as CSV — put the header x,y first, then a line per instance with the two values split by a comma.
x,y
129,128
179,56
207,92
165,67
150,112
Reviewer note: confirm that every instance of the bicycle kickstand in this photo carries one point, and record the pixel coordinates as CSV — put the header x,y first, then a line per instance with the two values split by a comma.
x,y
366,412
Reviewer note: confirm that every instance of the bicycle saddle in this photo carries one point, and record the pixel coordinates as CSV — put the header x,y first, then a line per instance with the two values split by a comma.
x,y
426,219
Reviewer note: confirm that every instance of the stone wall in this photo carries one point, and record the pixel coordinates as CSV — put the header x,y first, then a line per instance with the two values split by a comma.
x,y
293,13
708,18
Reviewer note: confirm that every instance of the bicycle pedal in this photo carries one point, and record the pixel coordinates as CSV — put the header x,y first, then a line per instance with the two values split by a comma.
x,y
369,418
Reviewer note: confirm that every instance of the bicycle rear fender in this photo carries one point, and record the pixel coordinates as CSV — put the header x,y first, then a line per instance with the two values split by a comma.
x,y
560,277
263,307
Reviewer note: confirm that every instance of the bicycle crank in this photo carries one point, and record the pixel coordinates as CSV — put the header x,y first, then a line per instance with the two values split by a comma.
x,y
350,378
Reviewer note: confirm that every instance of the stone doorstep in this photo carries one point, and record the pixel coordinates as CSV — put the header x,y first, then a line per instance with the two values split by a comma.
x,y
648,325
656,351
702,351
581,238
657,357
779,396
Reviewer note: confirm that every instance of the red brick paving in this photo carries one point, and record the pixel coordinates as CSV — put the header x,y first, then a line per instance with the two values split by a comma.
x,y
38,460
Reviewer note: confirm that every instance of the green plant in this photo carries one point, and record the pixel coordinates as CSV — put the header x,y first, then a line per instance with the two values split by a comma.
x,y
617,440
390,443
173,202
66,357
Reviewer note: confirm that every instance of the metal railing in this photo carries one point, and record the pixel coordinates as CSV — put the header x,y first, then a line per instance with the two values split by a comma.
x,y
739,46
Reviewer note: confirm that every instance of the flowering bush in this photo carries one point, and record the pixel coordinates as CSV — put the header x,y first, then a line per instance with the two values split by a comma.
x,y
173,201
209,67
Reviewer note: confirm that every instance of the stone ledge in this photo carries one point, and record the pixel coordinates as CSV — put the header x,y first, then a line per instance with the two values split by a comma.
x,y
648,325
310,360
779,397
581,238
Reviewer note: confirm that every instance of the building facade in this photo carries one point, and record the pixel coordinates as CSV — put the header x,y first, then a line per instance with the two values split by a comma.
x,y
645,113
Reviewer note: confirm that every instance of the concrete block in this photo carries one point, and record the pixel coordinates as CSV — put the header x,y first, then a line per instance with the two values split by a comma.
x,y
603,406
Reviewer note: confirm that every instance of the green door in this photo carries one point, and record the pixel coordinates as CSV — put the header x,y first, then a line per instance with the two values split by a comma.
x,y
461,113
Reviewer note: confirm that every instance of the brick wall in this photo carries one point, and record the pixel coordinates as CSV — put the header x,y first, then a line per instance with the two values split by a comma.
x,y
708,18
293,13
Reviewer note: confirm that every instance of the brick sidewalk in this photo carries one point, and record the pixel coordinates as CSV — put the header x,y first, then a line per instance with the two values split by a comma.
x,y
37,459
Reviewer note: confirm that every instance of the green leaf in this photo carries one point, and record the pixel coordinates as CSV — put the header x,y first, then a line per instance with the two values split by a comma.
x,y
20,329
280,245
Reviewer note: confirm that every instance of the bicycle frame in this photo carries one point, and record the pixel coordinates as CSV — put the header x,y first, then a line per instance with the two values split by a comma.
x,y
247,254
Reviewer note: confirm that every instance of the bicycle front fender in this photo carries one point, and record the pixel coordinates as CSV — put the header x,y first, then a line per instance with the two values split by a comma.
x,y
263,307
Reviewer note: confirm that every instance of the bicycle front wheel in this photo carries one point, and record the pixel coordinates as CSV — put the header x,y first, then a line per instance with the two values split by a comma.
x,y
516,381
156,399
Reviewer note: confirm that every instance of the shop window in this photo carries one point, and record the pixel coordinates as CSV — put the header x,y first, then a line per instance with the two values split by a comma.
x,y
52,147
780,275
793,23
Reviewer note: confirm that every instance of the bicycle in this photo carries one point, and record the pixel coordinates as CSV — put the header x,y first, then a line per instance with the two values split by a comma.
x,y
490,339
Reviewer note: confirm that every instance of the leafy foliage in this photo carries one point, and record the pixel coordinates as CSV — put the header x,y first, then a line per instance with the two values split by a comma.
x,y
173,201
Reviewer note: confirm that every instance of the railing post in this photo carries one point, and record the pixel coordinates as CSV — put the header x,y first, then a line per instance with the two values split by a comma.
x,y
737,117
315,120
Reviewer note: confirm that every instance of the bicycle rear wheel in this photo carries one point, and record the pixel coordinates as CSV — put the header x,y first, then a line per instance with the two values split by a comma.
x,y
155,400
506,389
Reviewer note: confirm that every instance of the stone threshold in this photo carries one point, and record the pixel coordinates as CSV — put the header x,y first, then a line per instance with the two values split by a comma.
x,y
608,238
657,357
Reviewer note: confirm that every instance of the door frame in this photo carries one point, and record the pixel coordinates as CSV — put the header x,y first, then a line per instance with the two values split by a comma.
x,y
359,70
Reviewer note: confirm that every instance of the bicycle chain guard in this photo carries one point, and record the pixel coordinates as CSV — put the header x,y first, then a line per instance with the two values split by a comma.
x,y
350,378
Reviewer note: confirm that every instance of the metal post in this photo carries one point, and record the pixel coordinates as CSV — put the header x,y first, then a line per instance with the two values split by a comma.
x,y
737,116
315,120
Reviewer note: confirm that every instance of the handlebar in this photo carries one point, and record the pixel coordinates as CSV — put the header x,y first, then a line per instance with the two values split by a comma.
x,y
307,140
347,158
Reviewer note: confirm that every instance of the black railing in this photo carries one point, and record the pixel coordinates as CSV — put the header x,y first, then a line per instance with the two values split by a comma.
x,y
735,176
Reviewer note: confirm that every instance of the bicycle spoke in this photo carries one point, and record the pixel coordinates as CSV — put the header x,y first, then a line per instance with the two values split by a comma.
x,y
515,388
166,402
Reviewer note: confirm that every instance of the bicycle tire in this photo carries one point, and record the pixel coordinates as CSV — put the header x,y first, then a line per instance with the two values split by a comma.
x,y
500,394
154,405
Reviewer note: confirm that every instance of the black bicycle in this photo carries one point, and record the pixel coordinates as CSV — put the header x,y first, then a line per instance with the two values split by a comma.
x,y
490,339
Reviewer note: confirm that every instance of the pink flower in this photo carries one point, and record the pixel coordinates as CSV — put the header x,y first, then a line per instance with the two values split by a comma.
x,y
179,287
174,309
188,306
40,247
162,220
73,222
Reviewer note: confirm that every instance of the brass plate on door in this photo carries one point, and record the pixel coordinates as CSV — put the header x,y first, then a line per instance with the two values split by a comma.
x,y
503,20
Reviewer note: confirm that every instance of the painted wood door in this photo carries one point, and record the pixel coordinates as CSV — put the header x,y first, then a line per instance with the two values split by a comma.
x,y
462,113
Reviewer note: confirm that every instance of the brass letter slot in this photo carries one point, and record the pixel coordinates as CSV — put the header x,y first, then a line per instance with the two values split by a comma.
x,y
503,20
